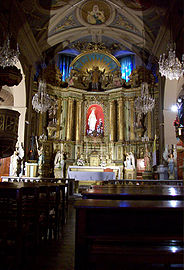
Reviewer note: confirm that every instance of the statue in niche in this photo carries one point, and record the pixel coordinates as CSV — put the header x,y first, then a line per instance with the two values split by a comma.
x,y
58,160
95,16
92,121
95,78
130,161
139,125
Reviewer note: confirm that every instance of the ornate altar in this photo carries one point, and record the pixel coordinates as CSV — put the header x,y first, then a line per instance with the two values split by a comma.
x,y
94,120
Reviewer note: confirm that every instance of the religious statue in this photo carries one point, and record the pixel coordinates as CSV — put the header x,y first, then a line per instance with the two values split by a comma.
x,y
147,158
130,161
166,153
14,163
95,77
100,128
171,166
58,160
95,16
117,80
92,121
180,105
40,157
140,127
20,166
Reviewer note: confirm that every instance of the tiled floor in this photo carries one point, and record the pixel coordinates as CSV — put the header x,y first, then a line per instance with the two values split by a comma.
x,y
58,255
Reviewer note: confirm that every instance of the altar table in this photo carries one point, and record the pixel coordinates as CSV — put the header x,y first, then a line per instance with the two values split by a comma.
x,y
93,176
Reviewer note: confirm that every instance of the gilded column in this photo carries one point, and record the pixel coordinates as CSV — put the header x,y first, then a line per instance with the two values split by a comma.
x,y
58,117
40,124
132,134
120,120
69,119
78,120
112,121
149,124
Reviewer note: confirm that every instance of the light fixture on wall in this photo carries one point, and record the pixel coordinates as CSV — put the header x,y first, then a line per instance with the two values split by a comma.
x,y
144,103
170,66
41,101
8,57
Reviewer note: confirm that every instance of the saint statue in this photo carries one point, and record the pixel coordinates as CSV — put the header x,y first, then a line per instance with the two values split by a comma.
x,y
92,121
14,163
130,161
40,157
58,160
147,157
96,16
96,77
171,166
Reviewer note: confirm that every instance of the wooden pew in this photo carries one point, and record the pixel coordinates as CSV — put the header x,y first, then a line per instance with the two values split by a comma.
x,y
143,182
135,193
112,234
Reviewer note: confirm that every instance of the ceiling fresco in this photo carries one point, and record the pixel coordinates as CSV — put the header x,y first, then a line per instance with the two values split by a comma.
x,y
133,24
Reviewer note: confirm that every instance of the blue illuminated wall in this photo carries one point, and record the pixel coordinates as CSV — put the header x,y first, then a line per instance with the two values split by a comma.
x,y
127,65
64,62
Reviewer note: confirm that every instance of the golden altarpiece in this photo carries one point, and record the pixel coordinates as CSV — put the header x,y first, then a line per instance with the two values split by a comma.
x,y
95,87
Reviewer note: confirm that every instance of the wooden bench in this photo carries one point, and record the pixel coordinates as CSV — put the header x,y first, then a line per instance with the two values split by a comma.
x,y
113,234
142,182
116,192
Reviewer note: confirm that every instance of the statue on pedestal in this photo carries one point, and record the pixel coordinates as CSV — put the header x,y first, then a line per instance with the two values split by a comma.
x,y
40,157
58,164
14,163
147,158
171,166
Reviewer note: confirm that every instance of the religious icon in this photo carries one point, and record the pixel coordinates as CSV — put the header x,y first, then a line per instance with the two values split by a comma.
x,y
92,121
96,16
95,121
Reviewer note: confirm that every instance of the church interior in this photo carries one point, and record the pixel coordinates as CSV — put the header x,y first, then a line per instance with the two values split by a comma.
x,y
92,97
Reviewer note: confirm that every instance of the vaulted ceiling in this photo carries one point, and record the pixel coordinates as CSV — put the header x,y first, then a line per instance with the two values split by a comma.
x,y
137,26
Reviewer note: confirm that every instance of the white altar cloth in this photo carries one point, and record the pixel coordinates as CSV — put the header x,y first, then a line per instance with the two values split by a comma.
x,y
93,176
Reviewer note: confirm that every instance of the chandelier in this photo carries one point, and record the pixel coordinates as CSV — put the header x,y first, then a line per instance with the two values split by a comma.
x,y
8,56
41,101
170,66
144,103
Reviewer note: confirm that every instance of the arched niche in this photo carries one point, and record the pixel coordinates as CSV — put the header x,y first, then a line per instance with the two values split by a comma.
x,y
95,113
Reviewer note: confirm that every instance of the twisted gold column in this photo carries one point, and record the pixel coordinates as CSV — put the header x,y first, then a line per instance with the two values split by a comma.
x,y
112,121
78,120
120,120
132,134
70,116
